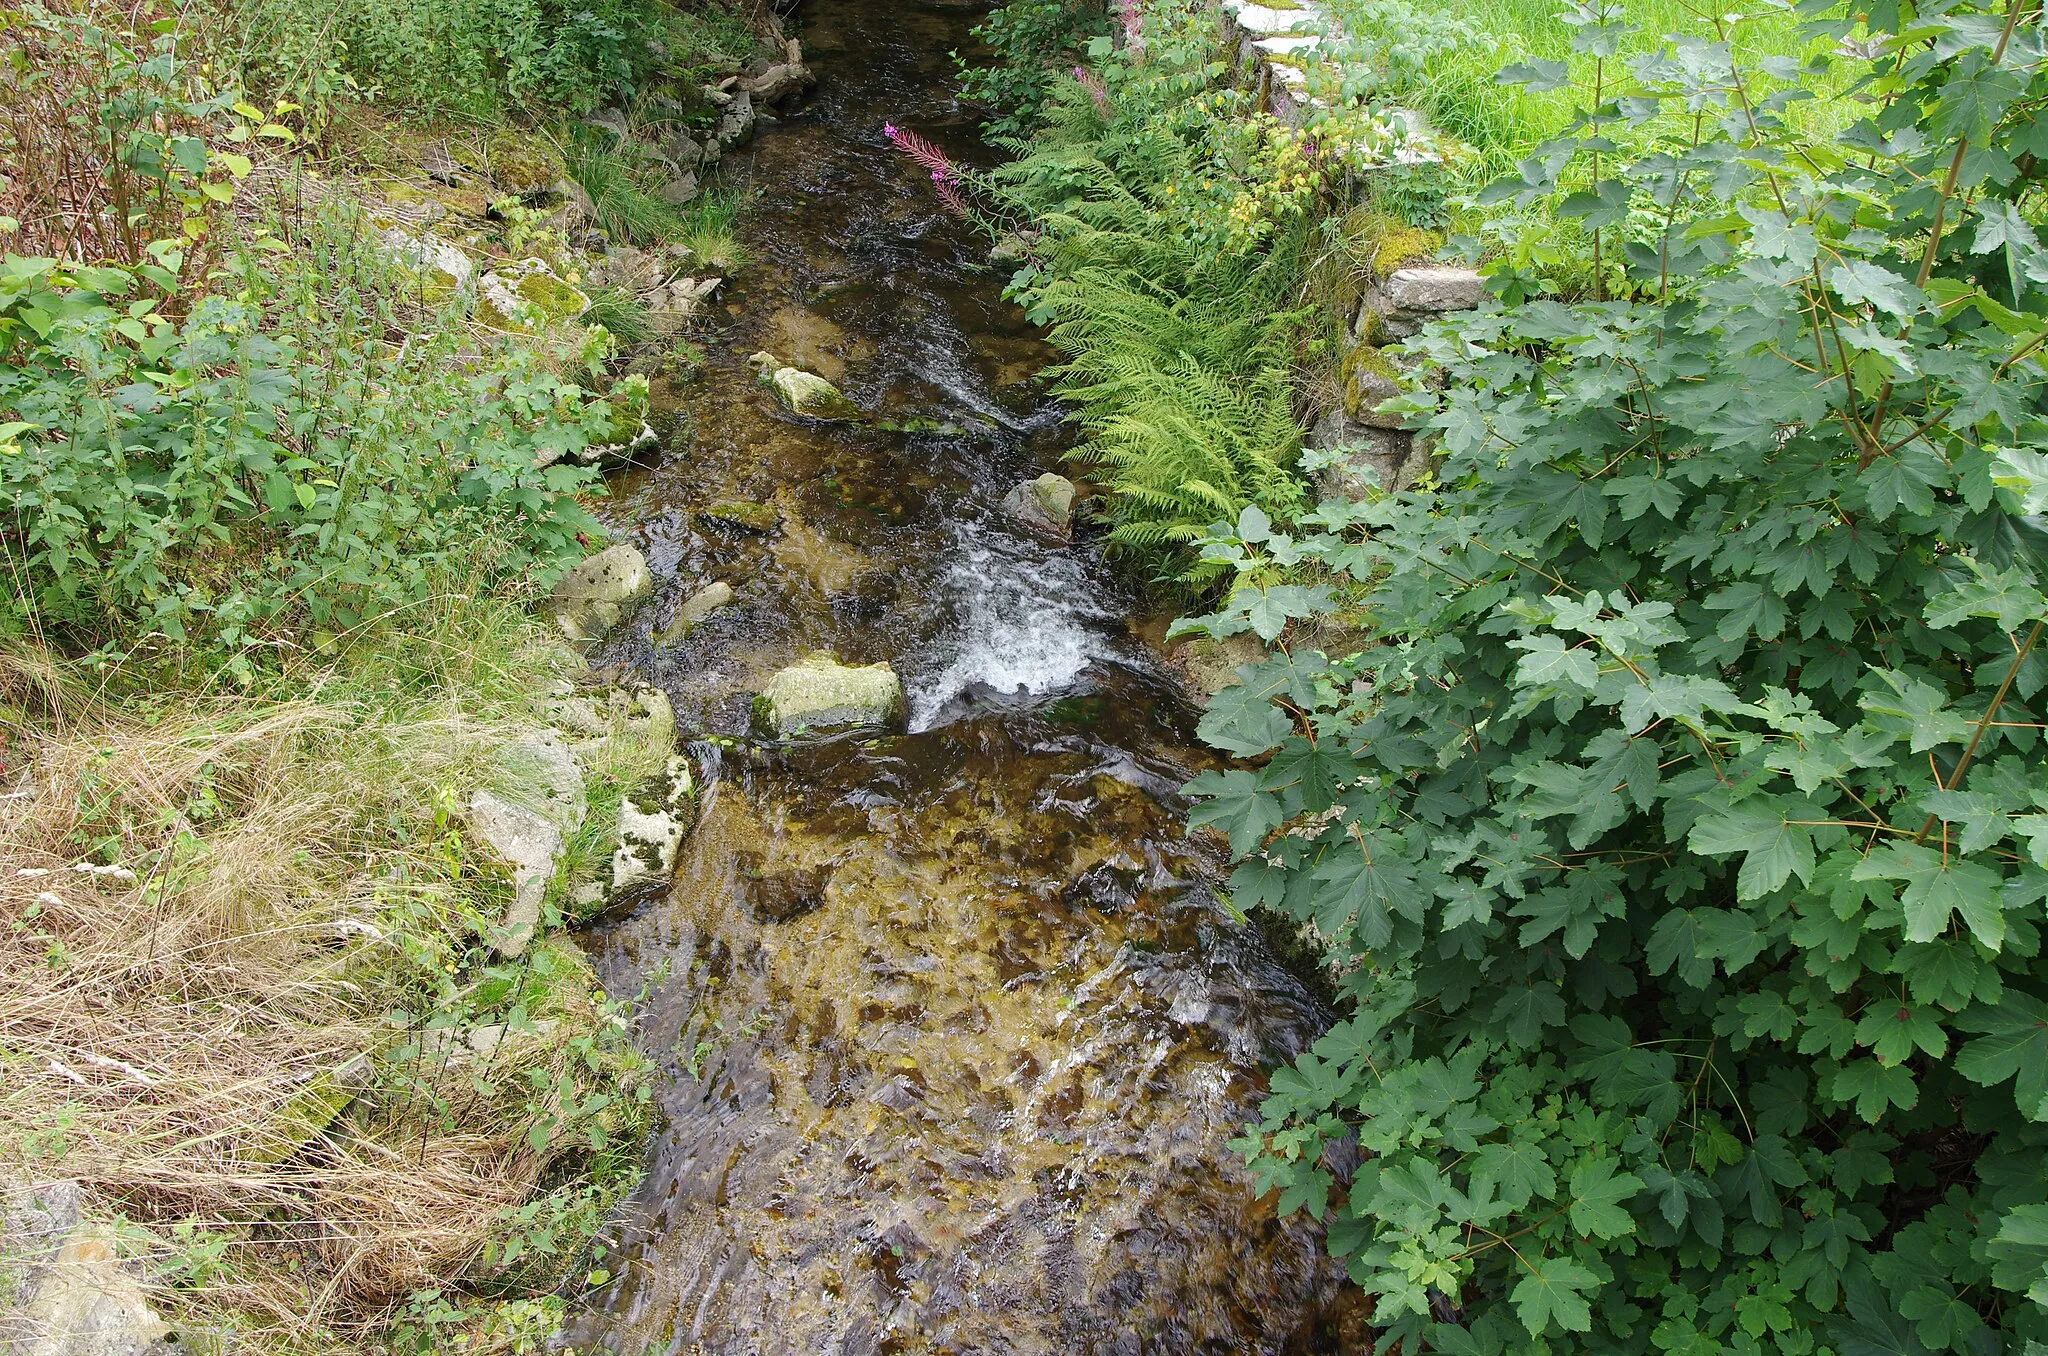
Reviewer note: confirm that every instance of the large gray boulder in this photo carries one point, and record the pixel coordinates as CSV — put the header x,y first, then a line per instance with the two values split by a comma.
x,y
654,819
592,598
528,825
1434,290
811,396
1044,505
820,693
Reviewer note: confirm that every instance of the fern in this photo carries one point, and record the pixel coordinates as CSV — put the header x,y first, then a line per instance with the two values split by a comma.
x,y
1176,355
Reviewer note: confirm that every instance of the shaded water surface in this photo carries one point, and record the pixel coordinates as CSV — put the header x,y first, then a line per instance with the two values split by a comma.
x,y
955,1033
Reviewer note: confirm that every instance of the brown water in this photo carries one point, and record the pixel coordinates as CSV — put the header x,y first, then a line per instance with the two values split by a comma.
x,y
955,1033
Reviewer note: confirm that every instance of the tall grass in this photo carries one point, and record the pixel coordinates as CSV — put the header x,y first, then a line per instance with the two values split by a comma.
x,y
251,1033
1459,90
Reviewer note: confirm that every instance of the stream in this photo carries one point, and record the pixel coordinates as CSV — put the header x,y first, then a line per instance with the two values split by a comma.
x,y
954,1034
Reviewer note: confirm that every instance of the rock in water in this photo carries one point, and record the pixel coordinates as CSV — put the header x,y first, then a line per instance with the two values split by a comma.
x,y
823,694
1043,505
810,395
654,818
742,514
694,609
590,599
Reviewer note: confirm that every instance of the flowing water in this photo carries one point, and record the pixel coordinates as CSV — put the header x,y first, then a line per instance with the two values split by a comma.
x,y
955,1035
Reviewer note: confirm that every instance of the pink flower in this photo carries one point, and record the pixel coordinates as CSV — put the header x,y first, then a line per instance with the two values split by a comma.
x,y
943,171
1097,91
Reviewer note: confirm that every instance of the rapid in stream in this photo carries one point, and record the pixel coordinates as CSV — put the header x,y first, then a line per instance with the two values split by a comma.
x,y
955,1035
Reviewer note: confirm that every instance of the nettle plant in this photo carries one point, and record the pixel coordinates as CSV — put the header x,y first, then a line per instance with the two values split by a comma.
x,y
266,465
1679,830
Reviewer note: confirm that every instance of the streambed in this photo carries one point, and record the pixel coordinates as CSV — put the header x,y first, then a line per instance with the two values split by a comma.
x,y
954,1034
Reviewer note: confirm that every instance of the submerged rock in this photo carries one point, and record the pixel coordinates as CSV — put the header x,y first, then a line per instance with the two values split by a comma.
x,y
744,514
590,599
692,611
1043,505
810,395
654,819
823,694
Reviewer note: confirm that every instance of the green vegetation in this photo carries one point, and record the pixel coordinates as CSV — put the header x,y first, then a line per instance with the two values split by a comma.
x,y
1670,822
282,486
476,58
1171,312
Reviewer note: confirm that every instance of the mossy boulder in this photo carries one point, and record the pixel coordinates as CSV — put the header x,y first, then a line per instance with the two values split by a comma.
x,y
1045,505
527,295
820,694
810,396
523,164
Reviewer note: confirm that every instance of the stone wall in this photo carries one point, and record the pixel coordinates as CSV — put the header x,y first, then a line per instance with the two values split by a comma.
x,y
1292,52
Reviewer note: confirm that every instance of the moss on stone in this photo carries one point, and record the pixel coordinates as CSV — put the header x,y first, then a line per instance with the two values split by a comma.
x,y
743,514
551,296
1363,357
523,163
1386,243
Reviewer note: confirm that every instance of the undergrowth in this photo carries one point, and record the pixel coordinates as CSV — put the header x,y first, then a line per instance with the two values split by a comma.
x,y
267,1029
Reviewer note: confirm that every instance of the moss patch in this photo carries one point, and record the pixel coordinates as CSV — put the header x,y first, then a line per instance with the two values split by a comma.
x,y
1384,243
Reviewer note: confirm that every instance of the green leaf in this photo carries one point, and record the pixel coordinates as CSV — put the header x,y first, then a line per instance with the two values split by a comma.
x,y
2019,1252
1550,662
1235,802
1598,1193
1553,1291
1857,281
2013,1044
1749,607
1774,848
1243,720
1518,1171
1938,887
1874,1088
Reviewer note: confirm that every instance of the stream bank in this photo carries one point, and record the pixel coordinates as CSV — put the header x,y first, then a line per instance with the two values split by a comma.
x,y
955,1033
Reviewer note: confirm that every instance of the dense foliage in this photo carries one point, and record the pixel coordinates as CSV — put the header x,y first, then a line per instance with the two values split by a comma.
x,y
477,57
1679,826
1032,44
248,470
241,427
1166,277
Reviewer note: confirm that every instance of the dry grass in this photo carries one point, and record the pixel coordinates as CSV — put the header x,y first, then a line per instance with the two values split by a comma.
x,y
294,925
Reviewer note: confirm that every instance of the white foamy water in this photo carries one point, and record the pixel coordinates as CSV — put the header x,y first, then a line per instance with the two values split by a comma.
x,y
1015,619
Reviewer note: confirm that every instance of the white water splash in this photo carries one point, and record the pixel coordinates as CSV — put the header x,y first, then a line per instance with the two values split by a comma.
x,y
1017,619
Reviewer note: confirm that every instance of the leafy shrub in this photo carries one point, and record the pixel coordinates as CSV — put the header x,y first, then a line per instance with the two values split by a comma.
x,y
269,462
1032,43
1679,834
477,57
112,142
